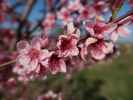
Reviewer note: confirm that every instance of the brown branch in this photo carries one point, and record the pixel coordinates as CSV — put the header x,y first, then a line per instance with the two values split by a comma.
x,y
129,13
7,63
25,15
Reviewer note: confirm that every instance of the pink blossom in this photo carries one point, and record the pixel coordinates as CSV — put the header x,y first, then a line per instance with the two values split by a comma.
x,y
95,29
100,49
7,36
86,12
30,57
64,15
49,22
41,40
83,46
120,31
56,64
100,6
97,48
67,44
98,29
74,5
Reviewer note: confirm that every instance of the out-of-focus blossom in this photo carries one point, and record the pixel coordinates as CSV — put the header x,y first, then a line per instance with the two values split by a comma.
x,y
99,7
74,5
119,31
86,13
7,36
41,40
130,3
96,29
3,10
49,22
50,95
64,15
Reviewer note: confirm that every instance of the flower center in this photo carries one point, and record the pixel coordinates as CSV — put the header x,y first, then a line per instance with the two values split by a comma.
x,y
34,53
66,44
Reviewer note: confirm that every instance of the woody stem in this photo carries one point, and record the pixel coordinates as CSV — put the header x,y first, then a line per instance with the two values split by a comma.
x,y
7,63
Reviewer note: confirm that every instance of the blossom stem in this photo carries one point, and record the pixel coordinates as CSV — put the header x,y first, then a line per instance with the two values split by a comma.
x,y
7,63
129,13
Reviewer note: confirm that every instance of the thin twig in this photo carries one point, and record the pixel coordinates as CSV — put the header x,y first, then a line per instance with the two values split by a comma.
x,y
129,13
7,63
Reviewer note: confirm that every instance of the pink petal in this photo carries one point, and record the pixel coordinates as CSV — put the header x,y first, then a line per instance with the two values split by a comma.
x,y
90,30
23,60
123,31
114,36
36,43
23,47
97,54
83,52
74,42
44,54
62,66
45,63
70,28
108,48
33,65
74,51
78,33
44,40
90,40
110,28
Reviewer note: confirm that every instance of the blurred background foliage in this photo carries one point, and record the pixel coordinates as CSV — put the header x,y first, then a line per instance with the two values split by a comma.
x,y
108,80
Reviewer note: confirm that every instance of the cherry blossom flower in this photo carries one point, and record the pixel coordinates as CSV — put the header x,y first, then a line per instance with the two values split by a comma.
x,y
49,22
67,44
98,29
122,31
30,57
97,48
83,47
41,40
56,64
100,49
64,15
86,13
74,5
95,29
100,6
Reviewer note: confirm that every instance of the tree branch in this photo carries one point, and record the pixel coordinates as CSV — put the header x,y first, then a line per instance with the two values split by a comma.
x,y
7,63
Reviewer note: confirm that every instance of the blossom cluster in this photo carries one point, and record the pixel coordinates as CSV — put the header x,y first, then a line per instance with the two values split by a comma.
x,y
75,11
35,60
